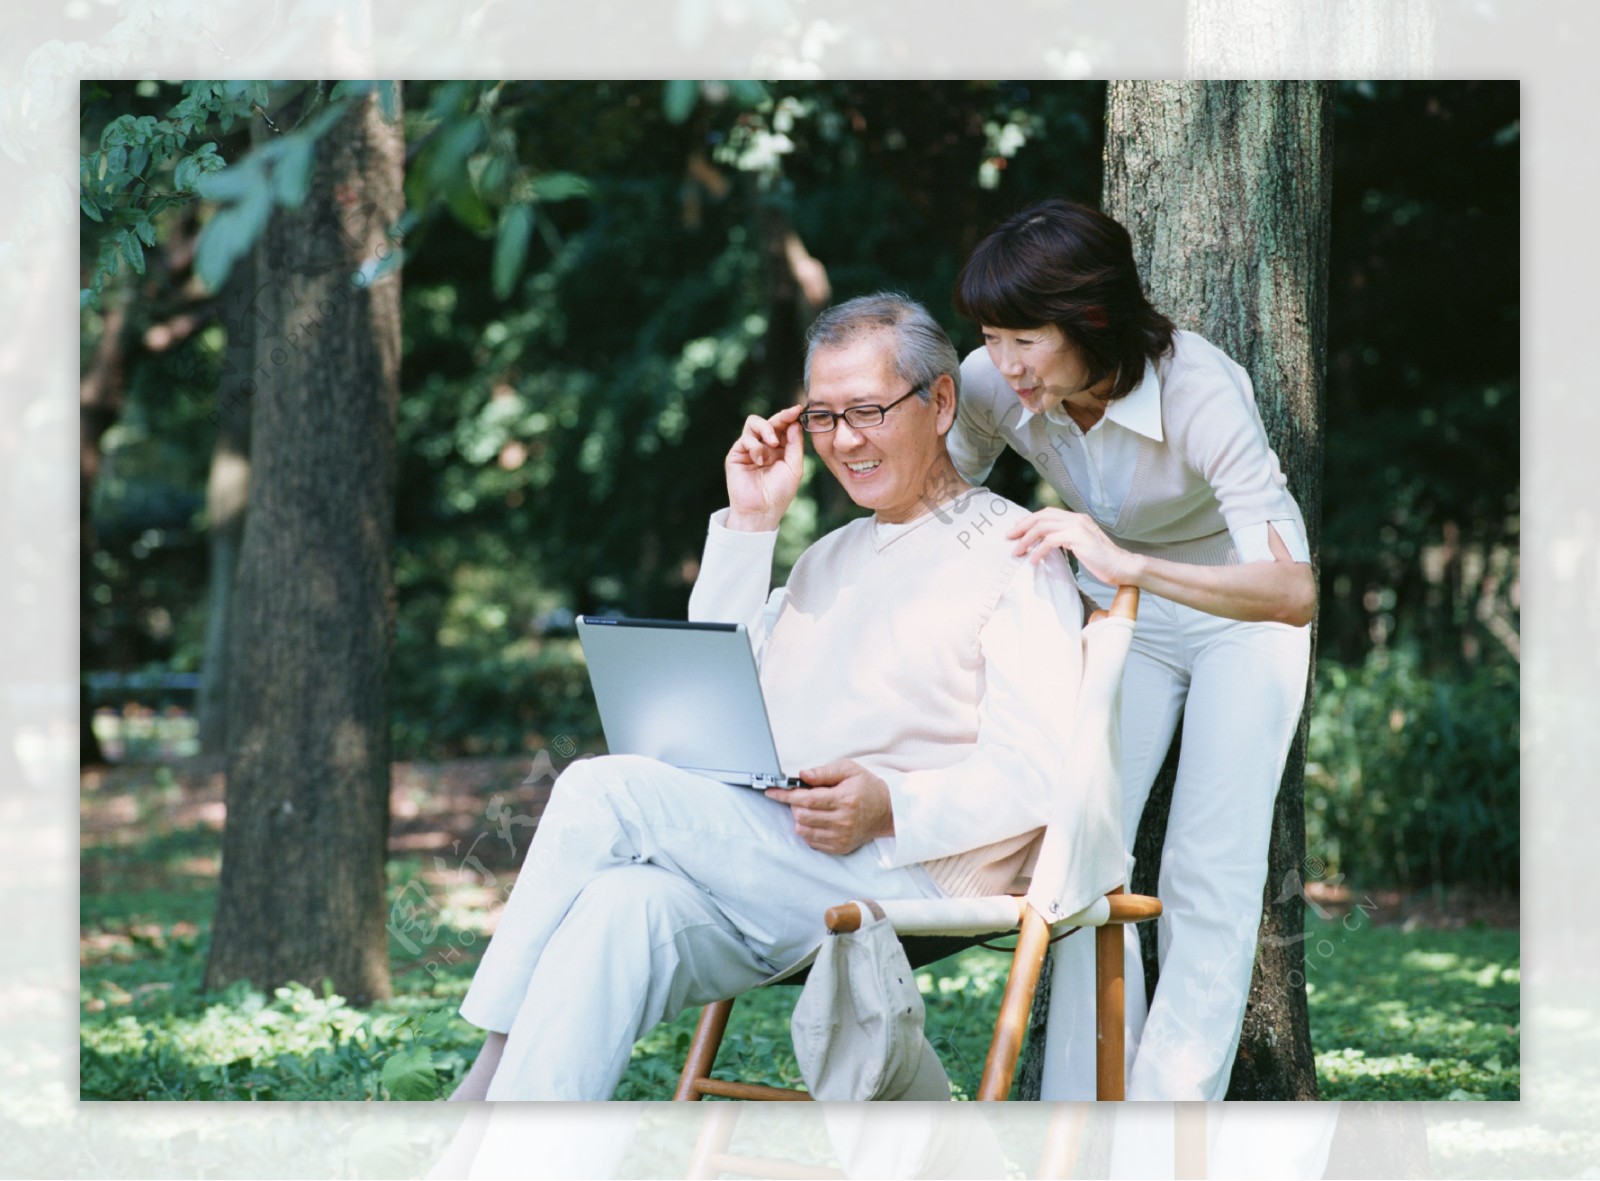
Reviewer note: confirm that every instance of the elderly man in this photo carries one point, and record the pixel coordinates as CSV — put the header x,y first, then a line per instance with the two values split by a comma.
x,y
920,676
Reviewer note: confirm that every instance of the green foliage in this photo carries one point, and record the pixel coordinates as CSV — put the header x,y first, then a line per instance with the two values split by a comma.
x,y
1414,778
591,305
1396,1013
120,177
149,1031
411,1074
1418,1015
1421,487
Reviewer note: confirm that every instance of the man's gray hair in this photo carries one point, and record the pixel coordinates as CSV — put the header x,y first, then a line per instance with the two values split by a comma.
x,y
922,349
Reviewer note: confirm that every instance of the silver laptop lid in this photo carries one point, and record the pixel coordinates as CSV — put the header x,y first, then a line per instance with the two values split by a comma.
x,y
685,693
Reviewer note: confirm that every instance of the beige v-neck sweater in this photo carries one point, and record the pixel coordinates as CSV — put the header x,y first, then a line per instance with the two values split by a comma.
x,y
875,656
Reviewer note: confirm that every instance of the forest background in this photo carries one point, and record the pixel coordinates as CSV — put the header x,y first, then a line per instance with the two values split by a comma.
x,y
575,363
601,279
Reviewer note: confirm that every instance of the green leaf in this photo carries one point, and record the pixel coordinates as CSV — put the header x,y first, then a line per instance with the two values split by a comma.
x,y
229,184
188,174
746,91
447,167
133,252
560,186
469,207
90,209
146,231
231,232
408,1075
678,99
511,246
436,1022
389,100
326,118
291,173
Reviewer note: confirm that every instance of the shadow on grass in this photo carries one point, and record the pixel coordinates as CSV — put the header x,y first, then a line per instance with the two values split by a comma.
x,y
1395,1013
1420,1014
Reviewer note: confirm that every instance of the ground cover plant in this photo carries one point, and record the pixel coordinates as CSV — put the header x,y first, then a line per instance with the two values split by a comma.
x,y
1409,999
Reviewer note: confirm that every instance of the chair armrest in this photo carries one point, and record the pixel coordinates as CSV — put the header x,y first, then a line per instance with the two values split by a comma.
x,y
935,916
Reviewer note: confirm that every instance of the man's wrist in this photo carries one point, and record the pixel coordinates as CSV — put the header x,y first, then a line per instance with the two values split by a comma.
x,y
751,522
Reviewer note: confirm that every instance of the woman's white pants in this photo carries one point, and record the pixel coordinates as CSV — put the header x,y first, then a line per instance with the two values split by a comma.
x,y
1239,688
648,890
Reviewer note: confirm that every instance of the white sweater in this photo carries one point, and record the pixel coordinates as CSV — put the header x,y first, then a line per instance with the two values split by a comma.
x,y
933,657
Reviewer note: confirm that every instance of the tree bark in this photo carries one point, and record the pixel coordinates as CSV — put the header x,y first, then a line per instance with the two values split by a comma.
x,y
302,890
1225,189
227,498
1310,38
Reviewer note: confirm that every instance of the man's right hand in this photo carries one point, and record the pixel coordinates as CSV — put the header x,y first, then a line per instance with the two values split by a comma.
x,y
764,469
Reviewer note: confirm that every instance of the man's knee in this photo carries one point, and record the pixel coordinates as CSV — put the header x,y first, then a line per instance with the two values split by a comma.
x,y
588,786
644,899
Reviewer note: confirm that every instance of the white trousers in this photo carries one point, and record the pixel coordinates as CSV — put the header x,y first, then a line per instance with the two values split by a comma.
x,y
648,890
1240,688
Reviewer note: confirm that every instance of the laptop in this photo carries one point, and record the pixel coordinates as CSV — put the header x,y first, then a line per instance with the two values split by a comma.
x,y
684,693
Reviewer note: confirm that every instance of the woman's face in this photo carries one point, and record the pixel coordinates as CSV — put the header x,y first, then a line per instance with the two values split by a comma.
x,y
1041,365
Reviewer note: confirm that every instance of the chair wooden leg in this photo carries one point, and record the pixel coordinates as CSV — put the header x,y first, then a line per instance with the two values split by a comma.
x,y
1011,1026
716,1133
1189,1140
1063,1139
1110,1048
703,1050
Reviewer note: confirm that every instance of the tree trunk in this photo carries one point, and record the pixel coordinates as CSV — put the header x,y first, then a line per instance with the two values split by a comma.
x,y
302,891
1310,38
1225,189
227,497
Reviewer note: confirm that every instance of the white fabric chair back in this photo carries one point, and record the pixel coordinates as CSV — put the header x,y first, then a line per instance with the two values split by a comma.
x,y
1081,856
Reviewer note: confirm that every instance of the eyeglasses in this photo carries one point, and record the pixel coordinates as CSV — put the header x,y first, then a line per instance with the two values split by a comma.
x,y
820,422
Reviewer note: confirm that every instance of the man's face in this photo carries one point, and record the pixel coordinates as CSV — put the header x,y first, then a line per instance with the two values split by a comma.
x,y
889,468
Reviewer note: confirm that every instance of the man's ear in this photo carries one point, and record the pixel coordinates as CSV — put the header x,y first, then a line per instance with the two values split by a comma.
x,y
944,402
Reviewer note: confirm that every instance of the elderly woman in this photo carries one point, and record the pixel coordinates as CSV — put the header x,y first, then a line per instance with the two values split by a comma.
x,y
1152,438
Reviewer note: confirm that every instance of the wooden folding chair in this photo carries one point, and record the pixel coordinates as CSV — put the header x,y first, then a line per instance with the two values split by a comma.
x,y
1106,637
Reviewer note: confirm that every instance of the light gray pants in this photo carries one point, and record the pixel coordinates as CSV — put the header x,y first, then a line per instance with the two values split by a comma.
x,y
648,890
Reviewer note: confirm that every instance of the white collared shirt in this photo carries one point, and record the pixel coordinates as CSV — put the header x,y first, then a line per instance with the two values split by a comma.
x,y
1102,461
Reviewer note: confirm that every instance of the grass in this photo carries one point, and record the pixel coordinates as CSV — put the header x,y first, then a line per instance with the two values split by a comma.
x,y
1396,1013
1421,1014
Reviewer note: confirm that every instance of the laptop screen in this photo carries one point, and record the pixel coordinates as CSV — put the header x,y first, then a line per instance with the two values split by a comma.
x,y
685,693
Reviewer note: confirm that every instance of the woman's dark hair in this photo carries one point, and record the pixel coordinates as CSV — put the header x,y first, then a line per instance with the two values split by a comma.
x,y
1067,264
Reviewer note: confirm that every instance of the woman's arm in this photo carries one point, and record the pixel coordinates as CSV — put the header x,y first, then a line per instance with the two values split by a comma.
x,y
974,441
1279,591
